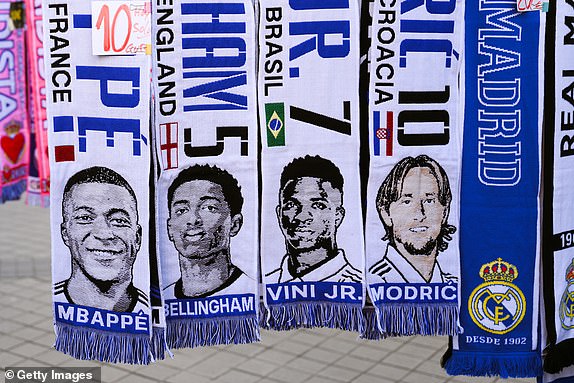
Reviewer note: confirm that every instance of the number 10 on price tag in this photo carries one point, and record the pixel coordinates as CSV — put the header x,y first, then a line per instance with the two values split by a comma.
x,y
121,27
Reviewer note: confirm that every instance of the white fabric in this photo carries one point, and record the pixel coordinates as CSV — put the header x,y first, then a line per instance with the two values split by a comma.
x,y
423,72
563,205
322,85
122,150
337,269
203,112
394,268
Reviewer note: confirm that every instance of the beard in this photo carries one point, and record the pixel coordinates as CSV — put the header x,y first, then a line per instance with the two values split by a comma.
x,y
425,249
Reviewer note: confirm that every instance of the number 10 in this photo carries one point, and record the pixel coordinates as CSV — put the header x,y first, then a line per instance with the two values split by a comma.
x,y
110,38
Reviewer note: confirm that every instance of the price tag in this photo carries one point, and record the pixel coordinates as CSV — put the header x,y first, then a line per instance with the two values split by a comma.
x,y
121,27
529,5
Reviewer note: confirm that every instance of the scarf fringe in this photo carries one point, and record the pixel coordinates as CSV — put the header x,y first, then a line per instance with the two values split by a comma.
x,y
34,199
507,365
159,344
190,333
559,356
13,192
342,316
371,330
418,319
89,344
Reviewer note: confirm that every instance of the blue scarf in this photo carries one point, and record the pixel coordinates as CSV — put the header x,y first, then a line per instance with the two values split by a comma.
x,y
499,202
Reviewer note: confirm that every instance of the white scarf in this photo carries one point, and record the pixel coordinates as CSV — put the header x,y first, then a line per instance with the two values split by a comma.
x,y
311,224
205,126
98,118
415,143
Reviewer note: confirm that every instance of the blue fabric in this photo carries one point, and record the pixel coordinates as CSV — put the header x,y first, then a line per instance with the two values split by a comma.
x,y
499,201
103,320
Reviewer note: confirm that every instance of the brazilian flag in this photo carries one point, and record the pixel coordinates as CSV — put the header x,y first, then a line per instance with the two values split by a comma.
x,y
275,123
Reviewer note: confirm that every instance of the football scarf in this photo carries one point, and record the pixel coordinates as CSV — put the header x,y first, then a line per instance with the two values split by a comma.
x,y
33,194
415,132
98,112
499,193
311,238
39,181
558,204
371,328
14,130
206,132
158,344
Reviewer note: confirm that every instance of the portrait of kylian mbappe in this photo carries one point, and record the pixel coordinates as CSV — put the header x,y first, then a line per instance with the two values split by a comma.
x,y
205,205
413,203
309,213
101,230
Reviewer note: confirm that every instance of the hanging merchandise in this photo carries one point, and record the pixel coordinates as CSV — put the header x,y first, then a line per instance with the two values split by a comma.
x,y
206,132
371,328
499,193
98,119
14,129
558,219
415,145
39,182
311,236
158,344
33,193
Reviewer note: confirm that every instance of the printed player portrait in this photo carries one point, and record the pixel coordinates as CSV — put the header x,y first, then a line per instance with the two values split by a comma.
x,y
309,213
413,203
205,205
101,230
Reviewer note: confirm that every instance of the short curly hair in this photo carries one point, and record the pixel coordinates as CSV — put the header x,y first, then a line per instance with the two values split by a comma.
x,y
312,166
99,175
229,185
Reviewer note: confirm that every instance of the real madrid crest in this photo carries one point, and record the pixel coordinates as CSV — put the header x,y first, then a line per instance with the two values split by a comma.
x,y
497,305
567,300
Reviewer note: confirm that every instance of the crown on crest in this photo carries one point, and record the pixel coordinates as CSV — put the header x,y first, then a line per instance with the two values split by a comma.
x,y
12,127
498,271
570,272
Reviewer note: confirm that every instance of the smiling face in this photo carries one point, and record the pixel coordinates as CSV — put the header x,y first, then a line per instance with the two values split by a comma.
x,y
101,230
200,223
309,213
417,216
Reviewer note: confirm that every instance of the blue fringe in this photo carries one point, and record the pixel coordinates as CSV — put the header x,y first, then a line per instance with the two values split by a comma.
x,y
158,344
184,333
33,199
507,365
418,319
344,316
371,330
14,191
89,344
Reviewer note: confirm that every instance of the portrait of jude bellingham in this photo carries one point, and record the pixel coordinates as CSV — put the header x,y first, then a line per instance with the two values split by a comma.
x,y
413,204
205,205
101,230
309,213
